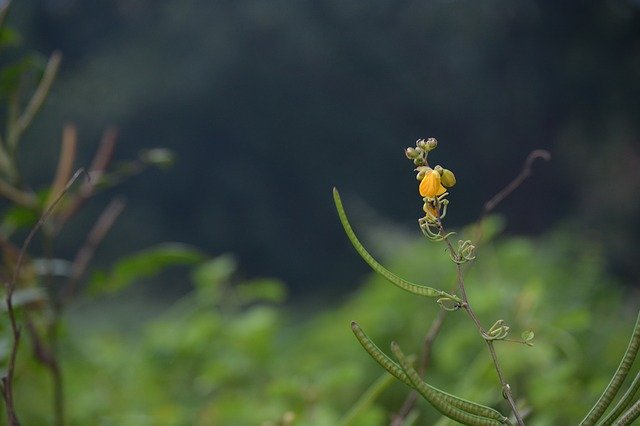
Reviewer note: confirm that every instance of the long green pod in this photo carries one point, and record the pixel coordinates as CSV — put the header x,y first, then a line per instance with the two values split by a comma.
x,y
630,415
624,402
380,357
616,381
439,403
432,392
390,276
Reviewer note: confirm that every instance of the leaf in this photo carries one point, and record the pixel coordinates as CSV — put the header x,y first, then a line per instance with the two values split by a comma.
x,y
528,336
391,277
263,289
145,264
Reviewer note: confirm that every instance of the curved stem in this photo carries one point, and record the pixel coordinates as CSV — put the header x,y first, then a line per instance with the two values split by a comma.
x,y
506,389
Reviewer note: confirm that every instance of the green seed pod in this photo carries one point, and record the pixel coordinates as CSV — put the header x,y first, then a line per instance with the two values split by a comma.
x,y
448,178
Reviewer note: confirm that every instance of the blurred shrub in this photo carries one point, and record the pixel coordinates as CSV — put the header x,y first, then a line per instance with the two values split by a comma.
x,y
232,353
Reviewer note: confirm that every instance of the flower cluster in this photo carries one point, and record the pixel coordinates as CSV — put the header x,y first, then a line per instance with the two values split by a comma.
x,y
434,183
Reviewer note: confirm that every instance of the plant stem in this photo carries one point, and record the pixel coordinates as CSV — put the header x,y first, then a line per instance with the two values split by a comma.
x,y
506,389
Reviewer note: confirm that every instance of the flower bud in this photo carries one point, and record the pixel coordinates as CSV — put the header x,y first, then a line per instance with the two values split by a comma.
x,y
431,144
418,161
421,143
410,153
438,169
448,179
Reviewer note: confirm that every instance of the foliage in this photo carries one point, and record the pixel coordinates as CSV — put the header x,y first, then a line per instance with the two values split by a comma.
x,y
230,344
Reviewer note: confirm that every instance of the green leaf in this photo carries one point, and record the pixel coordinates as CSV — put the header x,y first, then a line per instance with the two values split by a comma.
x,y
391,277
263,289
145,264
209,277
18,217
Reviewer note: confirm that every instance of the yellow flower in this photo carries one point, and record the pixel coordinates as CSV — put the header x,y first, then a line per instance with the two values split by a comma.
x,y
431,186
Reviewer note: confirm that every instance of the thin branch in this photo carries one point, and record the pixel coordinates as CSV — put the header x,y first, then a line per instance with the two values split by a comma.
x,y
7,380
65,161
506,389
21,198
36,101
517,181
85,254
99,164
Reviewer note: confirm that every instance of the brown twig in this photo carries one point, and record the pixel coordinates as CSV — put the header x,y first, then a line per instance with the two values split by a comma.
x,y
36,101
65,161
85,254
517,181
525,172
99,164
7,379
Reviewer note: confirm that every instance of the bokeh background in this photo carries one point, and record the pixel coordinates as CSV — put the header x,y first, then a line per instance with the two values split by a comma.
x,y
269,104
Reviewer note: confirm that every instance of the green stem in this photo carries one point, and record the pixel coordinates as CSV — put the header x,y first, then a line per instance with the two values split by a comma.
x,y
506,389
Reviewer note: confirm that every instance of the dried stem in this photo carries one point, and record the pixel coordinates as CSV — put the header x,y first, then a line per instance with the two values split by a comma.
x,y
65,161
36,101
99,164
85,254
21,198
7,380
517,181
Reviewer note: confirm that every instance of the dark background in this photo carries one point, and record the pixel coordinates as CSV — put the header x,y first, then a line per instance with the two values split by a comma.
x,y
269,104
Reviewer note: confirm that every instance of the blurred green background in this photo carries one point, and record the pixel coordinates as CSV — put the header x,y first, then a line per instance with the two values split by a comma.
x,y
268,105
